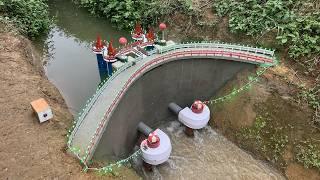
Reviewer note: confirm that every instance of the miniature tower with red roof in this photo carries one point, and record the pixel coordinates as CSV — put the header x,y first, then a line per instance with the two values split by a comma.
x,y
110,57
97,48
137,33
150,35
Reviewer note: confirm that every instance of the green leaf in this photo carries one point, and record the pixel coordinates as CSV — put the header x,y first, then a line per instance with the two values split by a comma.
x,y
284,40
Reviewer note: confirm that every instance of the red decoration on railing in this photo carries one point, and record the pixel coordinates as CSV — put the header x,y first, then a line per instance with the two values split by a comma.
x,y
123,41
162,26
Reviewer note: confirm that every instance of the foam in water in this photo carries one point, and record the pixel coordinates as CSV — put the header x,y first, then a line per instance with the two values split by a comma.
x,y
207,155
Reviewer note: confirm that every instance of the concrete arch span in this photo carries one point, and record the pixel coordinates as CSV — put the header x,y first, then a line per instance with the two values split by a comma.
x,y
147,98
141,90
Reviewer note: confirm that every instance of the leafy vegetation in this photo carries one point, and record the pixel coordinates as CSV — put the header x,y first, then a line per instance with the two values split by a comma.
x,y
127,12
31,17
312,97
267,138
302,34
296,23
123,13
308,154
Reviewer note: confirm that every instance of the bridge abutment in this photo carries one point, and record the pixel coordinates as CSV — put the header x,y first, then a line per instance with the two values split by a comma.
x,y
147,98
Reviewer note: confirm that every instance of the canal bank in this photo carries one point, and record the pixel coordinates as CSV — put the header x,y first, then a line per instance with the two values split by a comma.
x,y
223,115
29,150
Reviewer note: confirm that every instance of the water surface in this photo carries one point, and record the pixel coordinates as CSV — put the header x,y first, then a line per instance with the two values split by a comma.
x,y
70,64
207,156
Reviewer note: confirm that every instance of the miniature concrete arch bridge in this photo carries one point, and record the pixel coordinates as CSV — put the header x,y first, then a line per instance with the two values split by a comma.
x,y
141,90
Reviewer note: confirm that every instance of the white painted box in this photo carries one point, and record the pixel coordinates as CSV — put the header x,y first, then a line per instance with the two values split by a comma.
x,y
43,110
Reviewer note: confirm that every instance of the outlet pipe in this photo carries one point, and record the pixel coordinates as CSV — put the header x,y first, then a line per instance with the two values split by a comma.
x,y
175,108
144,129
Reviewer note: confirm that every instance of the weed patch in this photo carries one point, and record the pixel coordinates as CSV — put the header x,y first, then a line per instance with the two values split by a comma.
x,y
308,154
265,137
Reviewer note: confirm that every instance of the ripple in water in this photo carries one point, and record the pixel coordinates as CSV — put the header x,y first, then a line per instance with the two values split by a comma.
x,y
207,156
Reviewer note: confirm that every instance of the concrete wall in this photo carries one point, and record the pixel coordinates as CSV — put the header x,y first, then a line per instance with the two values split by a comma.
x,y
147,99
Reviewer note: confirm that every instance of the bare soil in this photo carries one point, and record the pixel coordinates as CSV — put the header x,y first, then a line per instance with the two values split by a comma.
x,y
28,149
273,99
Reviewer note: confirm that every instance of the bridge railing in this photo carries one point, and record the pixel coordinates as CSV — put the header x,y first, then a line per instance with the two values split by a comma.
x,y
217,45
145,67
99,91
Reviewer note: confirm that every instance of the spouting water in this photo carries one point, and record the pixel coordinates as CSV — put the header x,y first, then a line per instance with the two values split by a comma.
x,y
208,155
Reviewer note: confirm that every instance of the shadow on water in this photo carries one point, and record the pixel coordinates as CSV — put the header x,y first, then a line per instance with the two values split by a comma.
x,y
68,61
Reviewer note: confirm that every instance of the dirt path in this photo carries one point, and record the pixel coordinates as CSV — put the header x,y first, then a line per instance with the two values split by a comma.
x,y
28,149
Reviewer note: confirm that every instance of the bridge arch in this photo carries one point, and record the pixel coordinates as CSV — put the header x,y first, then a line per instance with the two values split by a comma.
x,y
144,88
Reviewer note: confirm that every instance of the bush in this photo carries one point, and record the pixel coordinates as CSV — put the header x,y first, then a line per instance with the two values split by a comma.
x,y
123,13
126,13
297,24
31,17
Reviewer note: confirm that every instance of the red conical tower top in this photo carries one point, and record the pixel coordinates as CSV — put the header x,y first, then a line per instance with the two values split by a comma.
x,y
138,29
99,44
111,50
150,35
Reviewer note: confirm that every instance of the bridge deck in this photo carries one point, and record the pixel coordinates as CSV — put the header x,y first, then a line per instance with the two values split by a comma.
x,y
94,119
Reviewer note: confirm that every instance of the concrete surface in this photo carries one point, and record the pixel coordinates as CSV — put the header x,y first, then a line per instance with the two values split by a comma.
x,y
147,99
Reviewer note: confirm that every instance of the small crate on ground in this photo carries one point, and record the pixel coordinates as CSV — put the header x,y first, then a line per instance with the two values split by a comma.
x,y
43,110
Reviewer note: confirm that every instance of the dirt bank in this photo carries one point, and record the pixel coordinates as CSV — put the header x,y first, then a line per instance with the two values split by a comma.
x,y
29,150
268,122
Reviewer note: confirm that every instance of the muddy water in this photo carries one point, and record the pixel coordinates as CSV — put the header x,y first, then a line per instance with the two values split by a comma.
x,y
70,64
208,155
